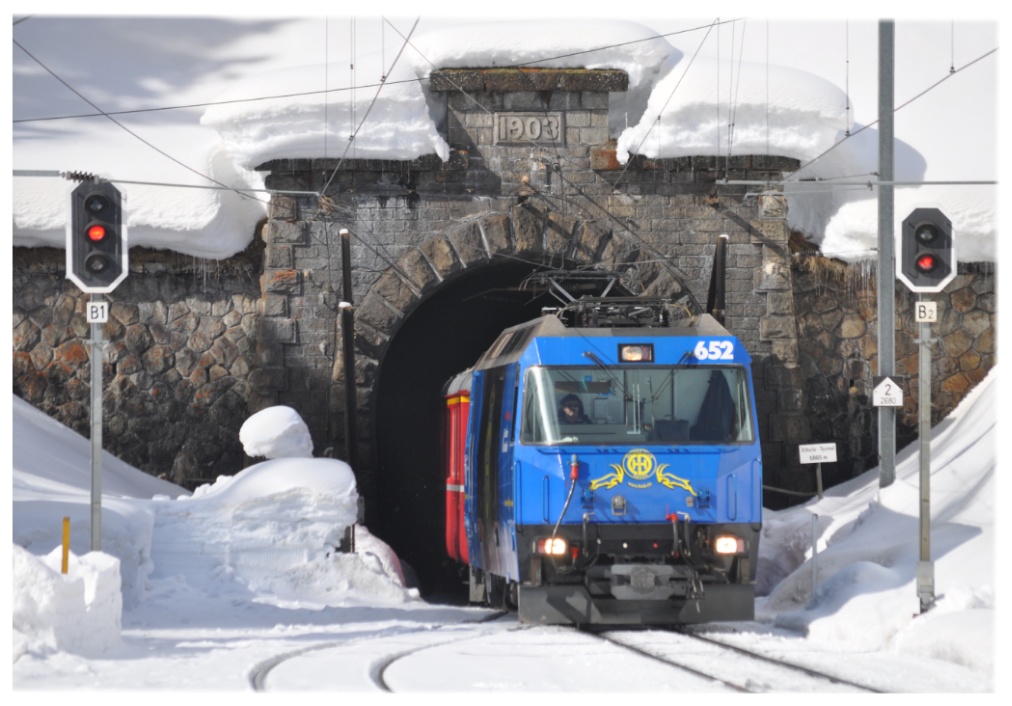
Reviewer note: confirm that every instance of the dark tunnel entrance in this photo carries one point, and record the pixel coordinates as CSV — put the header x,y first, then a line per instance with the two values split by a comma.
x,y
444,336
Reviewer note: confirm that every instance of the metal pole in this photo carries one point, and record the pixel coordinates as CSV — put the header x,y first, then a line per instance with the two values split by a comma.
x,y
815,553
886,255
96,431
348,342
925,567
348,349
716,297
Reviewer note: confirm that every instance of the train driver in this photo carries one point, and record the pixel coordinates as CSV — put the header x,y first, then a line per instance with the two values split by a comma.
x,y
571,411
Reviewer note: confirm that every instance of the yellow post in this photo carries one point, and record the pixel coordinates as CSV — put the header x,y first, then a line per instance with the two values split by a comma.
x,y
66,544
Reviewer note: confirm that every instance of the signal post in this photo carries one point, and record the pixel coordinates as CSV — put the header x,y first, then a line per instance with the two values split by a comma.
x,y
926,264
96,262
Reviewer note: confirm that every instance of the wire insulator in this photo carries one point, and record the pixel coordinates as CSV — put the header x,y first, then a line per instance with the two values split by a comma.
x,y
78,176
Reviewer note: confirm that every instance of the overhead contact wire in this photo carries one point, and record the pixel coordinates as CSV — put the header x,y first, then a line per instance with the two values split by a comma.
x,y
124,127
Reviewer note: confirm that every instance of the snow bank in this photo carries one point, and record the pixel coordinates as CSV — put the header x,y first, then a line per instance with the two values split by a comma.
x,y
851,233
272,529
207,222
295,508
79,612
276,432
277,526
52,480
863,592
307,123
778,111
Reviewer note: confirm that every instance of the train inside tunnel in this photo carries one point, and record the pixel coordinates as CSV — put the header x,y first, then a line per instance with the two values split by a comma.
x,y
442,337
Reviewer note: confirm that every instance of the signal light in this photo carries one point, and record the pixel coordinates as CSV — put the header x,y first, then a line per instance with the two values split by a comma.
x,y
96,237
926,262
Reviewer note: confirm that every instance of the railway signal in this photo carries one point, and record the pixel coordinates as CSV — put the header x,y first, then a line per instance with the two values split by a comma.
x,y
96,237
926,262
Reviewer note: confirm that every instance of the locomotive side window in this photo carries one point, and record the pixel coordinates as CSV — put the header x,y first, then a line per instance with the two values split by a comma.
x,y
638,405
487,488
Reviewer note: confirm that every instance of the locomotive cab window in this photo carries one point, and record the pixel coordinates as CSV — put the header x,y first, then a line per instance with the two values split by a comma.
x,y
637,405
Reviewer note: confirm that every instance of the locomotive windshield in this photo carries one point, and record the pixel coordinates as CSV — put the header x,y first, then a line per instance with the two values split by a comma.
x,y
637,405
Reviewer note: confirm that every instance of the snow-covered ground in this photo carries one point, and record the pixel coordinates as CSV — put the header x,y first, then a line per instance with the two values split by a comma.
x,y
199,591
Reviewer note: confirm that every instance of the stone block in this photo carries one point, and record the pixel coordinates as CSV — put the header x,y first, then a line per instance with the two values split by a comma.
x,y
469,244
776,327
786,351
282,281
416,271
441,256
528,230
496,229
780,303
282,207
958,342
853,326
377,313
285,232
559,233
772,277
277,330
278,256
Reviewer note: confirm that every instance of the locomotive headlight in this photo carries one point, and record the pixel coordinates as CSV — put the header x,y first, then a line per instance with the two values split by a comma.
x,y
728,544
636,353
552,546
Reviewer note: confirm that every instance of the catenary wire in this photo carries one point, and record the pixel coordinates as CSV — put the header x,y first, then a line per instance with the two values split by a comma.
x,y
795,176
299,94
351,139
122,126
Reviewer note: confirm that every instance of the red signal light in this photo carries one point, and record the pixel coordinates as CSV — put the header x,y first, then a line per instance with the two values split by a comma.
x,y
96,233
926,263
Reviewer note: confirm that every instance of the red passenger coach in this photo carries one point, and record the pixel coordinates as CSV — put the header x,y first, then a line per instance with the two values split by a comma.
x,y
457,396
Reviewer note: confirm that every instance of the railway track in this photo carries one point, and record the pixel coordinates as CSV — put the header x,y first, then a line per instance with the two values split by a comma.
x,y
703,661
739,669
259,673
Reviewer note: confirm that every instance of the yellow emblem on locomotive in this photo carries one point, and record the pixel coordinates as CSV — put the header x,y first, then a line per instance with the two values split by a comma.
x,y
640,465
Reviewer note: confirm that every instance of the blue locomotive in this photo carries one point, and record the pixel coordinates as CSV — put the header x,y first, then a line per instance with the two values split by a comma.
x,y
603,467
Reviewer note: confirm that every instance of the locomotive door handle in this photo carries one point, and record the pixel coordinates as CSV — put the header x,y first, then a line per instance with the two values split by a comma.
x,y
544,498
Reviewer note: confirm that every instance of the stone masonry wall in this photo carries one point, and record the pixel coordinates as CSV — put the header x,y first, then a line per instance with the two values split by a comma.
x,y
838,344
179,357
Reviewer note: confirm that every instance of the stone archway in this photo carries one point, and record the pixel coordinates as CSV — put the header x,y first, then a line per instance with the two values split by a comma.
x,y
526,234
429,316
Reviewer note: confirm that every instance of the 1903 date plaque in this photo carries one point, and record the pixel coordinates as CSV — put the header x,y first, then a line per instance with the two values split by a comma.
x,y
527,128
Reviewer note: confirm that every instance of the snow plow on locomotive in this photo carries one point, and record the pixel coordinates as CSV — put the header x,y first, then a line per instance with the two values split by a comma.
x,y
603,467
